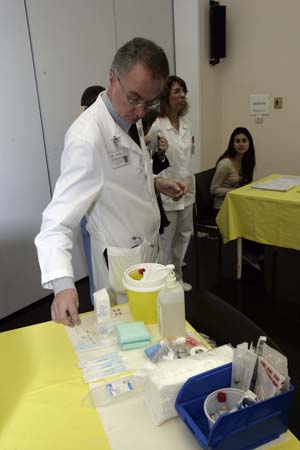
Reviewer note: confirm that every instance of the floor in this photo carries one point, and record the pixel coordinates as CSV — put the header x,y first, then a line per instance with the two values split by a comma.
x,y
277,312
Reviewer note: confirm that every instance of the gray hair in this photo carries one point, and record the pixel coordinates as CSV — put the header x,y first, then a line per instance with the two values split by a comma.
x,y
142,51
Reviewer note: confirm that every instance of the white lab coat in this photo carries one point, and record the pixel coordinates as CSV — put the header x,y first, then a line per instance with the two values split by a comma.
x,y
119,202
176,237
179,154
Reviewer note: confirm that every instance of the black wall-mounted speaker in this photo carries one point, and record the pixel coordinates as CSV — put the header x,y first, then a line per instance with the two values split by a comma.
x,y
217,31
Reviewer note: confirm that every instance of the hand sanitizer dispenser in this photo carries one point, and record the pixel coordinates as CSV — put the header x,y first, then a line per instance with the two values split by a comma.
x,y
171,308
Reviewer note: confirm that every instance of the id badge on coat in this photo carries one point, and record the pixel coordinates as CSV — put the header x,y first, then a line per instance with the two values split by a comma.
x,y
119,156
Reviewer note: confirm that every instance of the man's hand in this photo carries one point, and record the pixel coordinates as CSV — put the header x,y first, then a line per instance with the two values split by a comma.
x,y
172,188
64,308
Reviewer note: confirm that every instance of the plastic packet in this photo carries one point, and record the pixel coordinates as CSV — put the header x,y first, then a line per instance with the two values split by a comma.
x,y
264,387
260,343
102,308
248,399
103,319
170,349
103,367
211,342
243,365
269,381
114,390
277,359
85,334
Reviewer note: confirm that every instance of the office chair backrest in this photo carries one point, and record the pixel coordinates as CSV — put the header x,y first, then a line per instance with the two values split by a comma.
x,y
204,200
221,321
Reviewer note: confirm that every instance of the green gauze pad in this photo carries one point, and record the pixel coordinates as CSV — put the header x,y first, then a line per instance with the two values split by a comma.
x,y
132,332
132,345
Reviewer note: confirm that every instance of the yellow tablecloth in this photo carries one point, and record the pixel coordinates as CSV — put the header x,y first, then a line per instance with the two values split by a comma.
x,y
269,217
41,392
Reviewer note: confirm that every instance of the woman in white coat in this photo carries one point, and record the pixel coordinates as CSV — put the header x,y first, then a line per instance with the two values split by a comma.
x,y
173,124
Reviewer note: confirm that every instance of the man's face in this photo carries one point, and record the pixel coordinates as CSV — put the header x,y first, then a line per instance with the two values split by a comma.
x,y
137,85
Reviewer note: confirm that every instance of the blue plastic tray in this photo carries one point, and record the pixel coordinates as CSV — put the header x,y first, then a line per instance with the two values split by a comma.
x,y
241,430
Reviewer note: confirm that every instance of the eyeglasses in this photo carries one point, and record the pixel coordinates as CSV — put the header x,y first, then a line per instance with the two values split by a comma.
x,y
139,103
178,91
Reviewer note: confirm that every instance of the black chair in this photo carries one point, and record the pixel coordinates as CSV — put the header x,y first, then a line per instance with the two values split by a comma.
x,y
225,324
219,320
204,217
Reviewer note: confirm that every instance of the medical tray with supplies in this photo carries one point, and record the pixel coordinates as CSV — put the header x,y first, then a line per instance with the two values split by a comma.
x,y
243,429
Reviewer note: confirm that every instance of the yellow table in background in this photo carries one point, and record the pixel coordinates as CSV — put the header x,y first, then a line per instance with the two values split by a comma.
x,y
41,392
268,217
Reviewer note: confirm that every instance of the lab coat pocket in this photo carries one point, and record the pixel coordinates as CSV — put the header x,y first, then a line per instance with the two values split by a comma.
x,y
119,259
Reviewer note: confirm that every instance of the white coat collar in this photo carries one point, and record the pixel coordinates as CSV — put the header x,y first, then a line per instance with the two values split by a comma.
x,y
169,126
114,130
107,102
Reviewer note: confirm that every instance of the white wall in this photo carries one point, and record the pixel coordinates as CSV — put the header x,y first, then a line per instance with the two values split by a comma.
x,y
263,57
211,94
149,19
73,44
191,24
25,189
187,60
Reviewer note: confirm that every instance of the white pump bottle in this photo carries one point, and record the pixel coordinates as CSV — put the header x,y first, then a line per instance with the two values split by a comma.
x,y
171,308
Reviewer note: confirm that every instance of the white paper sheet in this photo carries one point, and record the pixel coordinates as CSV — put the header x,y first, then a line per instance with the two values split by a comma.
x,y
128,426
283,183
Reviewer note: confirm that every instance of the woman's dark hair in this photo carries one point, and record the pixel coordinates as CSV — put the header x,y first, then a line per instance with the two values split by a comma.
x,y
165,96
90,95
248,160
148,120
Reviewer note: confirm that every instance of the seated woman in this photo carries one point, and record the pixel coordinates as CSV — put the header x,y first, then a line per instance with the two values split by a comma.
x,y
234,169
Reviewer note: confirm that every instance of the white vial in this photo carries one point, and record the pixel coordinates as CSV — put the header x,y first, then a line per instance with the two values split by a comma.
x,y
102,309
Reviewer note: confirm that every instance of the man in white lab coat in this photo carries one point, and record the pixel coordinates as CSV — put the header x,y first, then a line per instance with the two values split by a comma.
x,y
106,174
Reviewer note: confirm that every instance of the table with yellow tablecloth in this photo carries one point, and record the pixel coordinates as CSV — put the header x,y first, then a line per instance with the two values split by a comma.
x,y
41,393
265,216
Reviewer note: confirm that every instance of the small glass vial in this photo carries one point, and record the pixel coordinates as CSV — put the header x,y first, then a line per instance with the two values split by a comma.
x,y
222,405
